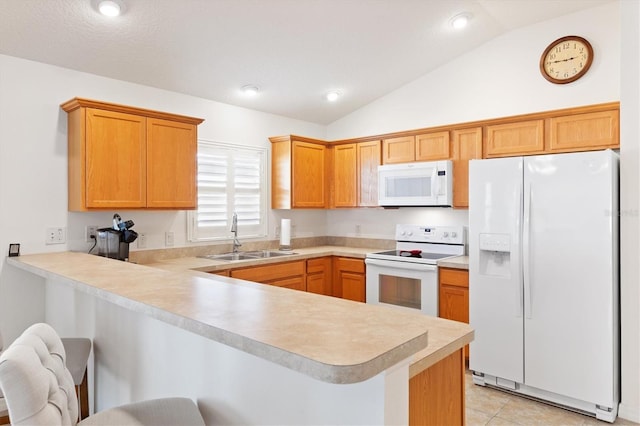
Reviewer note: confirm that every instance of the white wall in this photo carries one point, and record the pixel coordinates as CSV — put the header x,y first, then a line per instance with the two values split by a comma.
x,y
33,167
630,210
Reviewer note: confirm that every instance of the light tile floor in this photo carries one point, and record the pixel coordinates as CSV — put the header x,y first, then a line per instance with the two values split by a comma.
x,y
486,406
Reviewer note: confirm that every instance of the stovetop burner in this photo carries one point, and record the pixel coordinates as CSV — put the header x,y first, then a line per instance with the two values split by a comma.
x,y
424,244
418,254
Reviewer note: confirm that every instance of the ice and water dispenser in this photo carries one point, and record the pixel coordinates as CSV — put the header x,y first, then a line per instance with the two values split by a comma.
x,y
495,255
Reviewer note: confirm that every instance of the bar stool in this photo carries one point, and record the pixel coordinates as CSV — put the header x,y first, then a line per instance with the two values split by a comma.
x,y
77,350
37,386
4,413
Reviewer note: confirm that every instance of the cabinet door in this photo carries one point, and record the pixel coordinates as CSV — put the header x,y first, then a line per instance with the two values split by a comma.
x,y
349,278
433,146
467,145
309,175
512,139
454,296
345,177
115,160
580,132
319,276
353,286
398,150
293,283
369,159
171,164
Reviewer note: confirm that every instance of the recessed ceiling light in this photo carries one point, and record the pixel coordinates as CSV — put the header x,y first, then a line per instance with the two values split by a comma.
x,y
249,90
460,20
332,96
109,8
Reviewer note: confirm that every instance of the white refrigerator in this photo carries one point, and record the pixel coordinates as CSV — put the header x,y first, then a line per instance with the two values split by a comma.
x,y
543,278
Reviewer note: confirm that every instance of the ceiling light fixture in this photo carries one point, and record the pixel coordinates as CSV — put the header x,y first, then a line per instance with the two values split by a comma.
x,y
109,8
460,20
333,96
249,90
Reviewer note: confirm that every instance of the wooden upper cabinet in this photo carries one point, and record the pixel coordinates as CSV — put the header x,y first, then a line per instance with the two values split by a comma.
x,y
345,175
424,147
596,130
121,157
520,138
299,169
399,150
369,158
115,161
467,145
171,164
433,146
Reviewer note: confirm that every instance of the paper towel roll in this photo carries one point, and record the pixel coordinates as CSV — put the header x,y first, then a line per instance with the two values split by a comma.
x,y
285,234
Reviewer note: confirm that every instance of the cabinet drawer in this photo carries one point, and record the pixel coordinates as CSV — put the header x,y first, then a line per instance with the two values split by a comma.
x,y
266,273
293,283
318,265
455,277
350,264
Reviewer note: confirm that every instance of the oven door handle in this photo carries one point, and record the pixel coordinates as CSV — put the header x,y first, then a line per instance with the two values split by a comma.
x,y
412,266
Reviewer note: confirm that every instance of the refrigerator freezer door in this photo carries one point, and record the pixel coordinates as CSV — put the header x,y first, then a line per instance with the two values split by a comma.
x,y
570,316
495,267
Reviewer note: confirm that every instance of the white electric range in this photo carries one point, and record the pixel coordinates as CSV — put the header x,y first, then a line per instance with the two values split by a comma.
x,y
407,277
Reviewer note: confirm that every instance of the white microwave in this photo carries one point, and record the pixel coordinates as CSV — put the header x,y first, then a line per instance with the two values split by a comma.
x,y
427,183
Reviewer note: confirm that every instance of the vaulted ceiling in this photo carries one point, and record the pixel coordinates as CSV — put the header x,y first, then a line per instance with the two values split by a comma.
x,y
294,51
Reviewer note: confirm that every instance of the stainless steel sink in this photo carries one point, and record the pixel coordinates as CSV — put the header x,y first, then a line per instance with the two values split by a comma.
x,y
268,253
247,255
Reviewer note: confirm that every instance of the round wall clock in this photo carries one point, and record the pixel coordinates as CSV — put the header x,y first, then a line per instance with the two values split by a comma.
x,y
566,59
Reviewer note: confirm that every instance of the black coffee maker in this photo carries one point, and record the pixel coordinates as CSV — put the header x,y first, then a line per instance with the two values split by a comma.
x,y
114,242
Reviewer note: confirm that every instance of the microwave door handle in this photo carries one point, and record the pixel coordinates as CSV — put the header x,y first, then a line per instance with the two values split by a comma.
x,y
434,183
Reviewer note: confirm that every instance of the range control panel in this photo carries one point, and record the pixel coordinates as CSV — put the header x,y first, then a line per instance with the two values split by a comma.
x,y
431,234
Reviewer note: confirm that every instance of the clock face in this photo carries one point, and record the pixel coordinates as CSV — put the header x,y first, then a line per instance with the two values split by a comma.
x,y
566,59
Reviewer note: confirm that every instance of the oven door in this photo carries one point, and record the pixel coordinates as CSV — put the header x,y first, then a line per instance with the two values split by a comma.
x,y
406,285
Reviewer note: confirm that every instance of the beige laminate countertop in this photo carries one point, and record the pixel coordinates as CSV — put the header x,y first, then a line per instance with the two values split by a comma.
x,y
459,262
291,328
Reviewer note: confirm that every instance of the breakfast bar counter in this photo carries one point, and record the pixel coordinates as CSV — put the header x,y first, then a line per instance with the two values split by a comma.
x,y
239,347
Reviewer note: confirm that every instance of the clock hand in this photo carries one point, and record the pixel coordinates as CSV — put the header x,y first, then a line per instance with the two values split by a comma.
x,y
564,60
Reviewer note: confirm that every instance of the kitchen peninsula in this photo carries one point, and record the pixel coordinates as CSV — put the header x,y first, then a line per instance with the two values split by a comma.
x,y
245,352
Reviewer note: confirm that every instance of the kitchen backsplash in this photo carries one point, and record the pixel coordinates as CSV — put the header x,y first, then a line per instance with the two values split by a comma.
x,y
151,256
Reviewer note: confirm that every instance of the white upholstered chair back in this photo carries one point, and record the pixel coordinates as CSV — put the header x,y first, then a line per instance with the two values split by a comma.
x,y
38,388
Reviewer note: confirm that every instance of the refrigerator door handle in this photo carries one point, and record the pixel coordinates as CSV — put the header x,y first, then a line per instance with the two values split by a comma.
x,y
520,272
526,250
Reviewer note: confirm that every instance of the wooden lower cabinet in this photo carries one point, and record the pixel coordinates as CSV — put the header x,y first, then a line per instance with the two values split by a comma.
x,y
349,278
319,276
342,277
286,274
454,296
436,395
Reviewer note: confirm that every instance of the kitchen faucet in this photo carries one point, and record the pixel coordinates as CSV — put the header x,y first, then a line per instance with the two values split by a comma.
x,y
234,230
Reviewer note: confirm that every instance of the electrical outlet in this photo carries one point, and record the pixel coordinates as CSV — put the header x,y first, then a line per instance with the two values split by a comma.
x,y
89,231
142,240
56,235
168,238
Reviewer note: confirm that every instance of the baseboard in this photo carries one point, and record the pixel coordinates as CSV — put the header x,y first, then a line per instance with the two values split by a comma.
x,y
629,412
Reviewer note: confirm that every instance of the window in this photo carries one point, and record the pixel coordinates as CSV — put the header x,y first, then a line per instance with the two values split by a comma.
x,y
231,178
